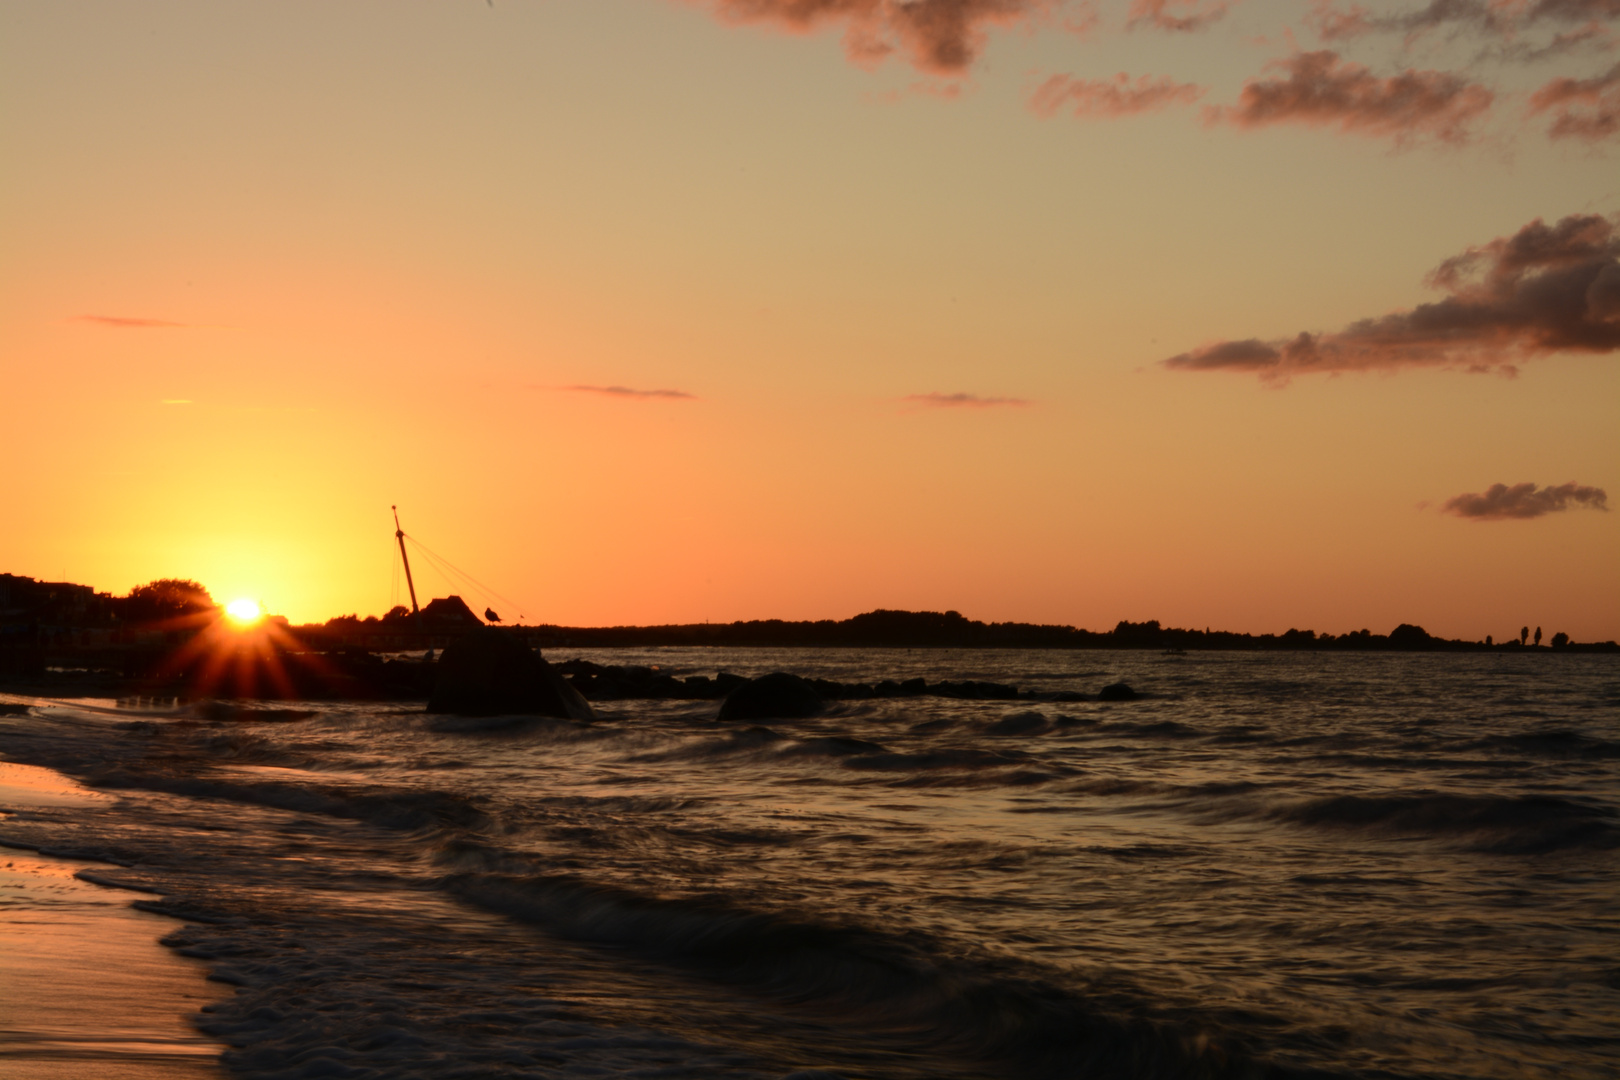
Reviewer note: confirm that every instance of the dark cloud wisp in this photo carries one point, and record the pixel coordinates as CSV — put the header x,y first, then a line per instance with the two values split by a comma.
x,y
941,37
1545,289
122,322
1318,89
1499,502
629,392
963,401
1111,98
1176,16
1586,109
1511,25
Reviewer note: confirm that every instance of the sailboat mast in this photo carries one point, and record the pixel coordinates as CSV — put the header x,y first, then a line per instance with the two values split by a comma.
x,y
399,534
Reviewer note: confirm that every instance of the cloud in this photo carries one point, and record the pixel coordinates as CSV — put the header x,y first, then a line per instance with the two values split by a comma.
x,y
1512,23
1500,502
963,401
1319,89
119,322
1507,19
1334,24
1114,97
1592,37
628,392
1199,14
1582,108
1544,289
1570,10
941,37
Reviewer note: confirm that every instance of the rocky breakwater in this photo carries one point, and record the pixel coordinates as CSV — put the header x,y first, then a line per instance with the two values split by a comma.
x,y
611,682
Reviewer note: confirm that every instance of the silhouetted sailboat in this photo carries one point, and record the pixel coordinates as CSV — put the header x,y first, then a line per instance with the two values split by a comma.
x,y
451,608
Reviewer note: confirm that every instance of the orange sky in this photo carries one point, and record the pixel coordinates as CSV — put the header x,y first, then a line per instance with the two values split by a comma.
x,y
266,270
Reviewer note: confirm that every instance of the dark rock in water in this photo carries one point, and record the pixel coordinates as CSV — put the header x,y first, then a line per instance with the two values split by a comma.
x,y
489,672
775,696
974,690
1117,692
1068,695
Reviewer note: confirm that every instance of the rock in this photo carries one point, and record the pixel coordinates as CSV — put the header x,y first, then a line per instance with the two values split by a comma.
x,y
1117,692
726,682
776,696
975,690
489,672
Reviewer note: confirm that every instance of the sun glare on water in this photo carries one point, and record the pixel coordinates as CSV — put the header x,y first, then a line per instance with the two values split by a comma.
x,y
244,611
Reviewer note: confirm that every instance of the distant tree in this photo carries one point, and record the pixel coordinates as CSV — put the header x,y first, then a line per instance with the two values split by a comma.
x,y
1538,635
1487,639
1524,634
165,598
1408,636
1560,639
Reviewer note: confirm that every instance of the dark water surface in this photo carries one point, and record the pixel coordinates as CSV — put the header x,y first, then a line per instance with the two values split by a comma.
x,y
1276,865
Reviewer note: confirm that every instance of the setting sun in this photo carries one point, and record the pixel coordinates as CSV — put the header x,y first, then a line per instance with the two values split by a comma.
x,y
244,611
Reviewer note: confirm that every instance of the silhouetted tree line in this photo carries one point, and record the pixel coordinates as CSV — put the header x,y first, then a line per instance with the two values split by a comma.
x,y
926,629
39,619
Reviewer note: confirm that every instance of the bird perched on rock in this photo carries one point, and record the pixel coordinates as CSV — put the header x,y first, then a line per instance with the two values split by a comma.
x,y
489,613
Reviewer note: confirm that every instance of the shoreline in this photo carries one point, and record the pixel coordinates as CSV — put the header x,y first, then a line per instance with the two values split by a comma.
x,y
86,990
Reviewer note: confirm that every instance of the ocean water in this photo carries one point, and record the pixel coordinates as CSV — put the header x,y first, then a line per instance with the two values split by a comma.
x,y
1357,865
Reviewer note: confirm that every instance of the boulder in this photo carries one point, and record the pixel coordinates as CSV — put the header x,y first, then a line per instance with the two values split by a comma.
x,y
489,672
777,696
1117,692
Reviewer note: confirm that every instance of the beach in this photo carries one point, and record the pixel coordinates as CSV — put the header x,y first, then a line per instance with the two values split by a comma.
x,y
86,991
1265,866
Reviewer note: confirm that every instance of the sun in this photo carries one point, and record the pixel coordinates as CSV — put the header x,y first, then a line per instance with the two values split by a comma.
x,y
244,611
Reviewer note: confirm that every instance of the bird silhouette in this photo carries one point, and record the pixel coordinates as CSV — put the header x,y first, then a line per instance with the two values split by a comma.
x,y
489,613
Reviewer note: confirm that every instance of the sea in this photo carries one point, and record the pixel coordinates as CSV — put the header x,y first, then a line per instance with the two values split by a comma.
x,y
1293,864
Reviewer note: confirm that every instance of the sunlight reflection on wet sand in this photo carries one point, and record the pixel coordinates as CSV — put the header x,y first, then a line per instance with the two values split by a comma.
x,y
86,991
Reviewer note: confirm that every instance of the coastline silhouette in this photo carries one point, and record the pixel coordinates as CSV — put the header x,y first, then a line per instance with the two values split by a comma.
x,y
169,637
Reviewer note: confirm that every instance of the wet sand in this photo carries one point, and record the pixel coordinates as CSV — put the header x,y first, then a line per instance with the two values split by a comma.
x,y
86,991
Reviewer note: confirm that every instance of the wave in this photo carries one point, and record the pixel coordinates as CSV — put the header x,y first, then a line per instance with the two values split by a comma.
x,y
1558,744
889,987
392,808
1524,824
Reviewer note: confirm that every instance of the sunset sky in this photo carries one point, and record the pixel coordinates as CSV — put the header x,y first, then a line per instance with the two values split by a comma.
x,y
652,311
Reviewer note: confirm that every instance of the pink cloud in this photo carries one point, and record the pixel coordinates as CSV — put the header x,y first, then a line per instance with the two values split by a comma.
x,y
1582,108
941,37
963,401
1333,24
1319,89
628,392
120,322
1545,289
1163,14
1114,97
1500,502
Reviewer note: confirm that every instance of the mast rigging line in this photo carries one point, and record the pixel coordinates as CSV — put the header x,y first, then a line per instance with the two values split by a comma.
x,y
448,568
